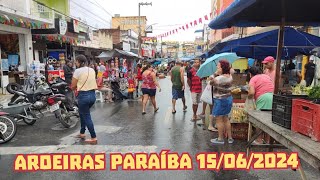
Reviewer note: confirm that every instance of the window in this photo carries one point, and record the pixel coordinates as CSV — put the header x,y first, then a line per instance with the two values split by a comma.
x,y
40,8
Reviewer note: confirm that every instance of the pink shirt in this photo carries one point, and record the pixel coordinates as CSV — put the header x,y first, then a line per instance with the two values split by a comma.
x,y
271,74
262,84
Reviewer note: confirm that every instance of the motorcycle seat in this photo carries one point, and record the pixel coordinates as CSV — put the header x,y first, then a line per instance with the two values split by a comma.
x,y
59,85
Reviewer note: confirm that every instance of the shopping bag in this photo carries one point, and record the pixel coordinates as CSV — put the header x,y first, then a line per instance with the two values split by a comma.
x,y
207,95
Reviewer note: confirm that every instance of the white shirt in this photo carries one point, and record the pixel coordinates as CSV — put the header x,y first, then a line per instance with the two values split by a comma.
x,y
86,79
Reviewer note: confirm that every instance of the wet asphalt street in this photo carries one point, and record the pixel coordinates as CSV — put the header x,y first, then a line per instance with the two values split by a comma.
x,y
121,127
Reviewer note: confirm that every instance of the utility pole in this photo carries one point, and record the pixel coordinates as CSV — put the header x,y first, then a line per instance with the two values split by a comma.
x,y
161,48
139,39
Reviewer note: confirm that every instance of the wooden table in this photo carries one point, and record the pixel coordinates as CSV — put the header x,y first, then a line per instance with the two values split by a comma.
x,y
307,149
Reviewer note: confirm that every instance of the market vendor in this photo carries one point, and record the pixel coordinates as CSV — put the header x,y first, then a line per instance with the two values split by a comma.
x,y
261,88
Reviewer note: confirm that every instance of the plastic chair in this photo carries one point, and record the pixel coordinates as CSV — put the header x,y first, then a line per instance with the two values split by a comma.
x,y
99,96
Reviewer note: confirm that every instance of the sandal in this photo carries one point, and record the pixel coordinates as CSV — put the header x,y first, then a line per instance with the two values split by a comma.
x,y
143,113
173,112
212,129
156,109
185,108
91,141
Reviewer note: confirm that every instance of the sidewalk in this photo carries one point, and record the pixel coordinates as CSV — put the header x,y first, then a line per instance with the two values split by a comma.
x,y
5,98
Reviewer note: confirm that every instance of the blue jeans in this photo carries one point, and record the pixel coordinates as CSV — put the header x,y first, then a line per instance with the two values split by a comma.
x,y
86,100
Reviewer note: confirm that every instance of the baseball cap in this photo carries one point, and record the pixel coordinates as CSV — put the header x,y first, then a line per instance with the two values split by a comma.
x,y
268,59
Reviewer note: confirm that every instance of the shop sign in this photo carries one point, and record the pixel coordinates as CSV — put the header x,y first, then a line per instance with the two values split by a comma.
x,y
149,40
76,26
63,26
81,37
83,28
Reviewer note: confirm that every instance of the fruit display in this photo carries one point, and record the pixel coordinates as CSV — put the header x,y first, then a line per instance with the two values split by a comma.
x,y
236,91
238,114
300,90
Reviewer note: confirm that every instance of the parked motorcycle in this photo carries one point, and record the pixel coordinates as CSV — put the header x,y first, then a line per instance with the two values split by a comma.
x,y
57,105
20,112
8,128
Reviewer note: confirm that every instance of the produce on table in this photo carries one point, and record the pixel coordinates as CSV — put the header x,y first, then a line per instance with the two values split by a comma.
x,y
300,90
314,92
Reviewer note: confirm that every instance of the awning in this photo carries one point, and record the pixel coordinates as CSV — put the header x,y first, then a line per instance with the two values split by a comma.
x,y
250,13
265,44
116,53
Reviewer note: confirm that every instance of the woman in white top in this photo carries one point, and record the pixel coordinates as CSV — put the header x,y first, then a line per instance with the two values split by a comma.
x,y
84,81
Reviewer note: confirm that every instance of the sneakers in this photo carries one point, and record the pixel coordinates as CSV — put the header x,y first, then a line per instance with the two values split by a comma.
x,y
217,141
230,141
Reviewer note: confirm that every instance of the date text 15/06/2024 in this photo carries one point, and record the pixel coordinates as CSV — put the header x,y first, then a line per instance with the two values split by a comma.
x,y
164,160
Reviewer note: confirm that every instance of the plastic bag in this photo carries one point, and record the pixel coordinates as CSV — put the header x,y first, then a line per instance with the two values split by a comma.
x,y
207,95
249,105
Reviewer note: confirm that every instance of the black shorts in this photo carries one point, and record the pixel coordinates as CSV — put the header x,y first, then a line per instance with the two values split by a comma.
x,y
150,92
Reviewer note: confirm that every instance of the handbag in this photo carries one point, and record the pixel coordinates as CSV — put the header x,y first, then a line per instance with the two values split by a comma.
x,y
77,91
207,94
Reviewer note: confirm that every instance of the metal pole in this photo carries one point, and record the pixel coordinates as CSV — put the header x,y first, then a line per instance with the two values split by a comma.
x,y
161,48
279,49
139,37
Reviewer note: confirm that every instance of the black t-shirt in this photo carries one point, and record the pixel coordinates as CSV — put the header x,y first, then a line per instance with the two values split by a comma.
x,y
310,67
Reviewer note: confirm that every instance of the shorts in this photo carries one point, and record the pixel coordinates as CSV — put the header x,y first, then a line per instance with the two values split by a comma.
x,y
222,107
195,98
150,92
177,94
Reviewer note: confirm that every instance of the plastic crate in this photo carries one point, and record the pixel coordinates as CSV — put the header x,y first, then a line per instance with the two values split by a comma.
x,y
282,109
306,118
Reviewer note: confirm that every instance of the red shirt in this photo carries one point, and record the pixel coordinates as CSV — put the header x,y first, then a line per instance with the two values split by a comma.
x,y
196,85
130,81
139,75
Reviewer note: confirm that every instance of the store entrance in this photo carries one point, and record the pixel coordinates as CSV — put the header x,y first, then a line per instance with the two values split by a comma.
x,y
10,59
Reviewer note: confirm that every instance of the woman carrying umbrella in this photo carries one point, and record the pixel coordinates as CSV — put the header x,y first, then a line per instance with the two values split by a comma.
x,y
222,100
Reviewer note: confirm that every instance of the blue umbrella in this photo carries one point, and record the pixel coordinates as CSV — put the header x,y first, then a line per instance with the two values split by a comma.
x,y
210,66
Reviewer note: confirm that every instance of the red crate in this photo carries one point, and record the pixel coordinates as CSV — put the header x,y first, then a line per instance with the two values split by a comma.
x,y
306,118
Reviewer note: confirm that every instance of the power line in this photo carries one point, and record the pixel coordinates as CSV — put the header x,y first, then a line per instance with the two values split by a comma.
x,y
90,12
85,13
71,17
101,7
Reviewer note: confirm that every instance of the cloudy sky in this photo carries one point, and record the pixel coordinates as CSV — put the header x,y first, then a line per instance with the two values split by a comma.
x,y
165,14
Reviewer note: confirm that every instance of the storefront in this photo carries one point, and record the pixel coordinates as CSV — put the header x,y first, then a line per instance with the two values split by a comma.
x,y
53,47
16,47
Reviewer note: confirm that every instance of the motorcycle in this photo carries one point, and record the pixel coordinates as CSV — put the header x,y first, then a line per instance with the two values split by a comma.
x,y
57,105
8,128
20,112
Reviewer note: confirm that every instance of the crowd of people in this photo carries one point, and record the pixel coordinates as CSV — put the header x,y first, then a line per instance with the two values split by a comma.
x,y
86,79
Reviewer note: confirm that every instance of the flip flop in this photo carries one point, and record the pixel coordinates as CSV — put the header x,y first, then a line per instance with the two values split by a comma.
x,y
156,110
213,129
89,141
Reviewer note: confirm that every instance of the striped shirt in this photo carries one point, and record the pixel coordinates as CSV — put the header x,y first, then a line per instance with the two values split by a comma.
x,y
196,85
